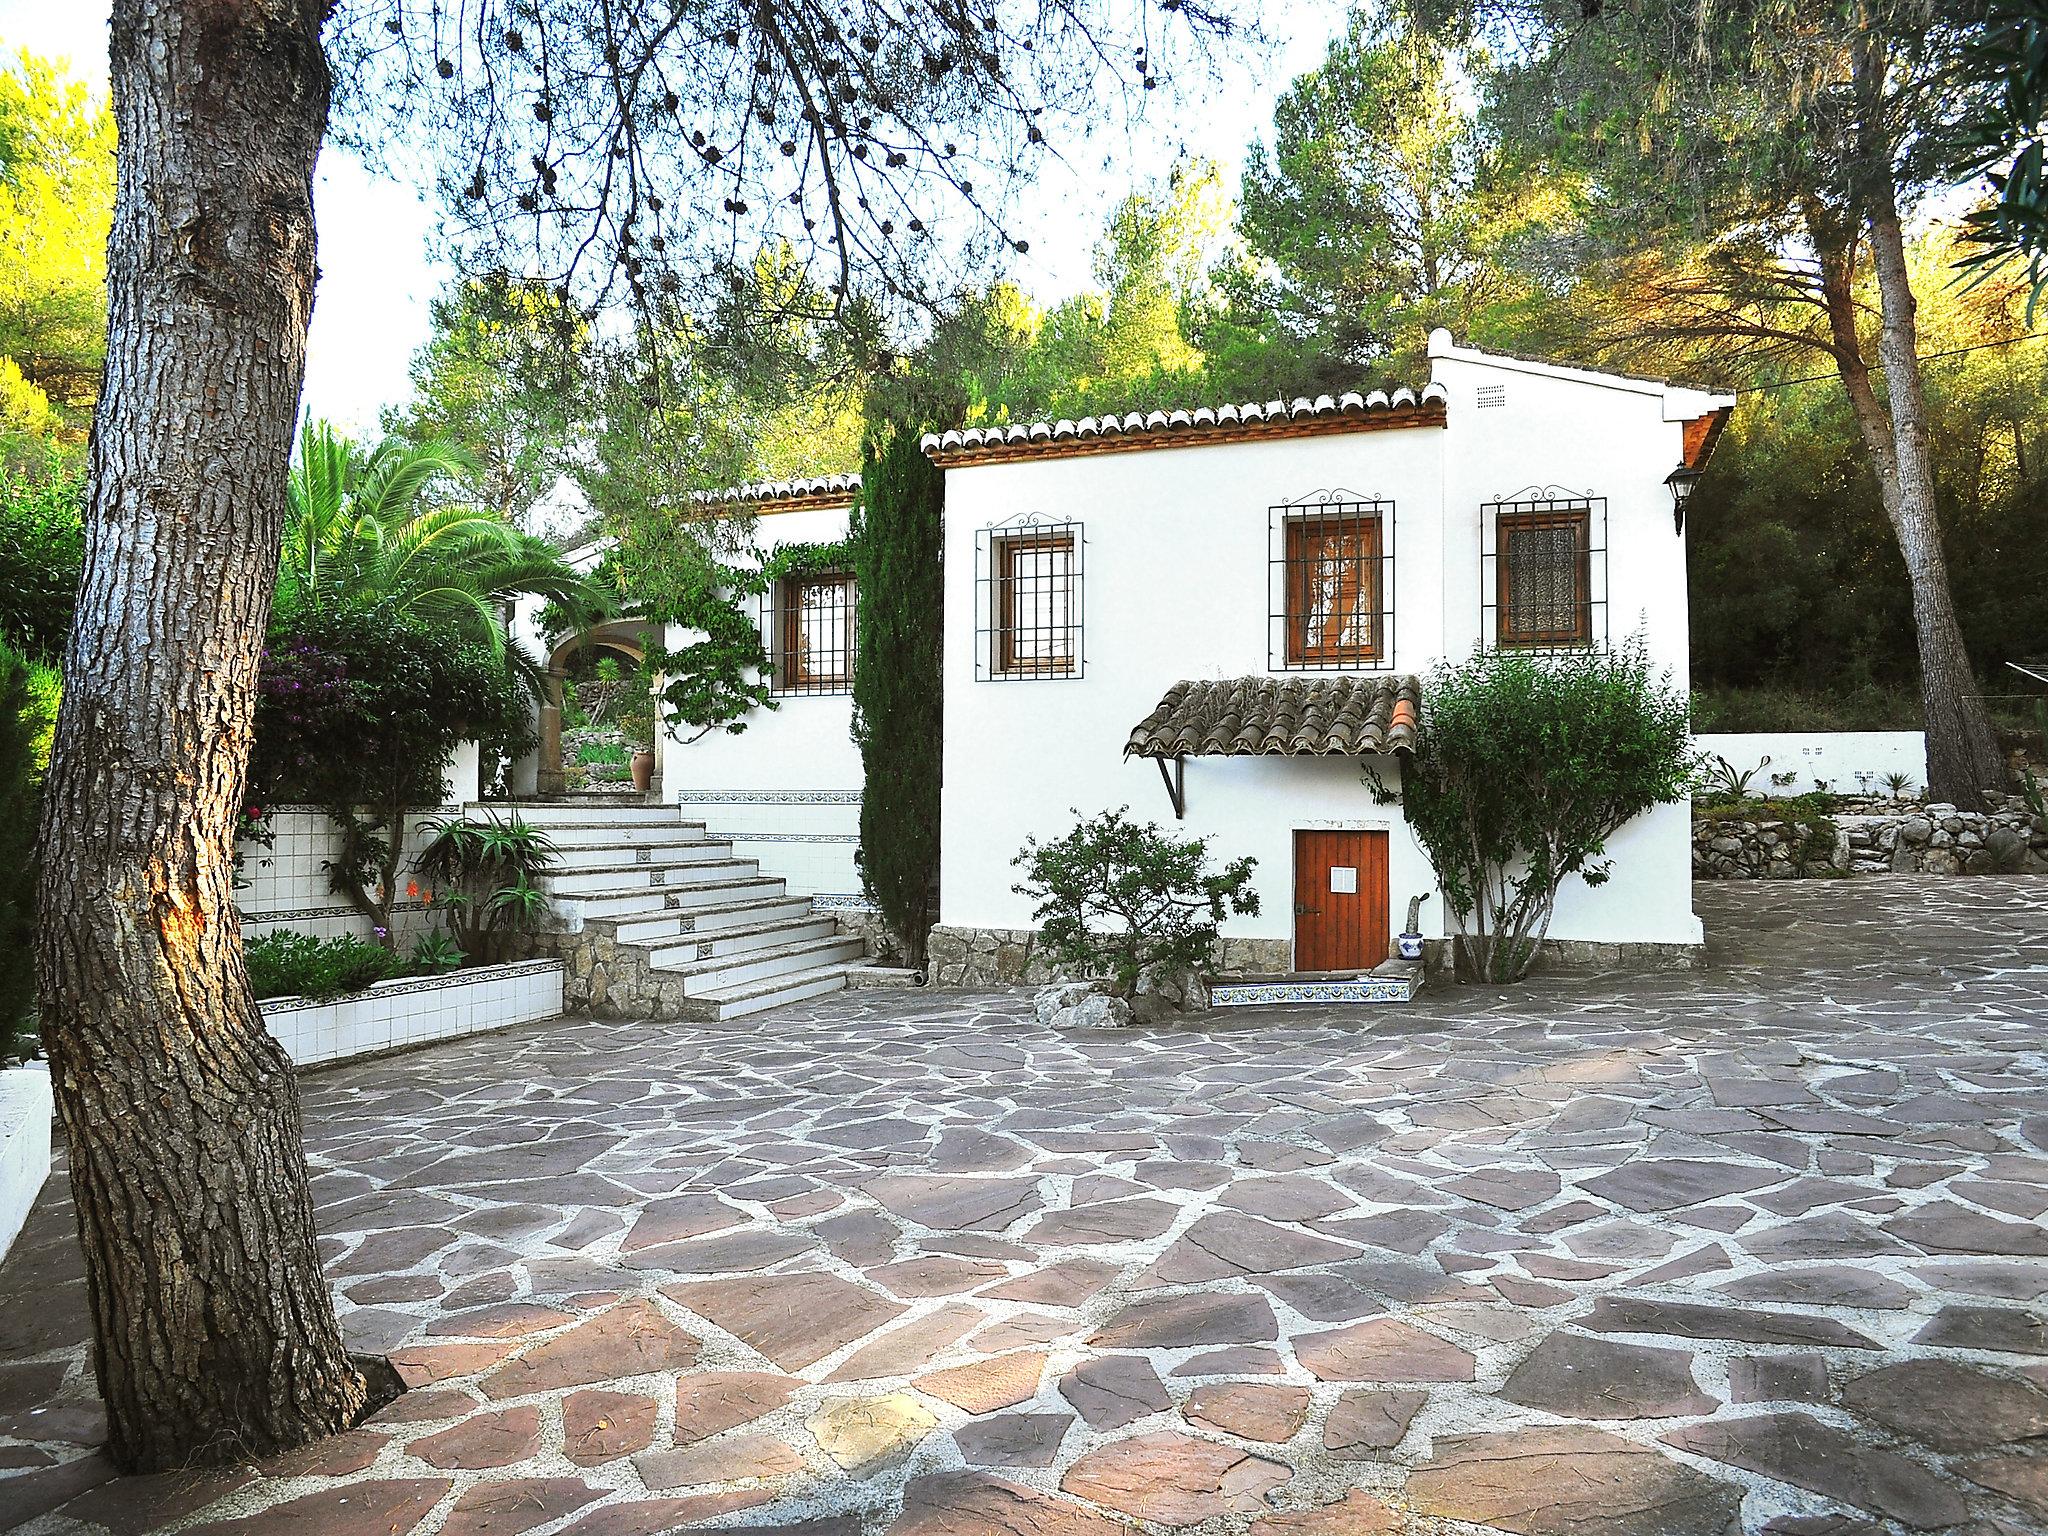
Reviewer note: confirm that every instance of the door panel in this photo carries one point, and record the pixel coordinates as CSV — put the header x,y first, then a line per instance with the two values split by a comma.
x,y
1340,900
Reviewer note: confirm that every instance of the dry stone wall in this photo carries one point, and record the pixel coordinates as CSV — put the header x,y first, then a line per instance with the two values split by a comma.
x,y
1909,839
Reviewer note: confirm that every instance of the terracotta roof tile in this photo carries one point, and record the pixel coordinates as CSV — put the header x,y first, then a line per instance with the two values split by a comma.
x,y
1281,716
1145,429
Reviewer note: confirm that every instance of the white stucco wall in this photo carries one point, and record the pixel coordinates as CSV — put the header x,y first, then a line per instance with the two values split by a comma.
x,y
787,788
1176,586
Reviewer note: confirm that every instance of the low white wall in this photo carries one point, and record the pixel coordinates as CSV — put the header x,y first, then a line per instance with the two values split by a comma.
x,y
415,1010
287,883
25,1110
1816,757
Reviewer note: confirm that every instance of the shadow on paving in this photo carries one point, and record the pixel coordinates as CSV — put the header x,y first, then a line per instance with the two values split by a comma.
x,y
1755,1249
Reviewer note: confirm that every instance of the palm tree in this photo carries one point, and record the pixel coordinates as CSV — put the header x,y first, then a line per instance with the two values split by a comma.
x,y
363,530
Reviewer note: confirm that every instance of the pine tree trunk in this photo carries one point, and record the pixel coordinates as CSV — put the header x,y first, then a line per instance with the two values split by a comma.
x,y
216,1332
1963,759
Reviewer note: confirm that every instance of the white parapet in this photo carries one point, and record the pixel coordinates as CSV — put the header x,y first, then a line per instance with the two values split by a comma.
x,y
416,1010
25,1110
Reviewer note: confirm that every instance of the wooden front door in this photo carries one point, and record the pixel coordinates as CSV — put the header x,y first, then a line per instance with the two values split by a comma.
x,y
1340,900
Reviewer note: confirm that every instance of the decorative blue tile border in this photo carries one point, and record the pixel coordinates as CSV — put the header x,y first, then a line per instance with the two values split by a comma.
x,y
767,797
789,837
1262,994
478,975
842,903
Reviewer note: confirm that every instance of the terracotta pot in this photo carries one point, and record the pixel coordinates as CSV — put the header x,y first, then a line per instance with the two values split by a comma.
x,y
643,769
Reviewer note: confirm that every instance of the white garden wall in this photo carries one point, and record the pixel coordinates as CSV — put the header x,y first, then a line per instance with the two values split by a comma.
x,y
287,883
25,1111
415,1011
1814,757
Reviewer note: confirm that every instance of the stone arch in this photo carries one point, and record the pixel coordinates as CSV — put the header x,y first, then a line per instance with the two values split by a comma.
x,y
627,638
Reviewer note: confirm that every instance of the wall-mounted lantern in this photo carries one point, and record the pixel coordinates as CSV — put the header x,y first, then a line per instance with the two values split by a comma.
x,y
1680,483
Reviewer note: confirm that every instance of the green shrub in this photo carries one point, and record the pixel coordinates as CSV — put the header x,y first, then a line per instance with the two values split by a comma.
x,y
23,724
1525,766
289,964
42,555
481,877
1122,901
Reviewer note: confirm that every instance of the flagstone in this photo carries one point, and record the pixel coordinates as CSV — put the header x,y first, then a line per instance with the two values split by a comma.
x,y
419,1365
1358,1513
1176,1322
631,1339
508,1320
1117,1221
602,1426
957,1203
1700,1320
974,1504
1233,1360
711,1402
1013,1439
1174,1478
1111,1391
516,1504
983,1386
2023,1479
1382,1349
1569,1481
383,1507
1948,1405
939,1276
1221,1246
1798,1449
794,1320
2006,1329
128,1506
1779,1379
1577,1376
1272,1414
1838,1285
661,1517
342,1455
864,1432
1361,1422
482,1440
1946,1227
735,1458
909,1347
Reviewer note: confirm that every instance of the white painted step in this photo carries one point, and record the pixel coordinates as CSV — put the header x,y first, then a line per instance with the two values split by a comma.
x,y
635,876
550,814
721,972
663,924
679,951
633,900
627,856
760,996
633,834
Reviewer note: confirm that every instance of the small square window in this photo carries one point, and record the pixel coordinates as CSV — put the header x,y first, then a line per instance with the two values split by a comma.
x,y
1545,578
813,633
1333,591
1028,602
1035,630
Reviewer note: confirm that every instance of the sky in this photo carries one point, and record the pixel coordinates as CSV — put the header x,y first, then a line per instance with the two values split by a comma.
x,y
370,312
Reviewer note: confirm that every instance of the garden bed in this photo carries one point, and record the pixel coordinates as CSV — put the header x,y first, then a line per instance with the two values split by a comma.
x,y
25,1110
415,1010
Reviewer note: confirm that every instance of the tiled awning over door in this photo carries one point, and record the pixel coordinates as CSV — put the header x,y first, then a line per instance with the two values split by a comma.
x,y
1281,716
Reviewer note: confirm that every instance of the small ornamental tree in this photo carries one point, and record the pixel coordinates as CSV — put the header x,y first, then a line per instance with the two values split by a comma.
x,y
358,710
1125,901
897,715
1524,768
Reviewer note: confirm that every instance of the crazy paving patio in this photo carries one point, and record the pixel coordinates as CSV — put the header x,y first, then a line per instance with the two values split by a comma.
x,y
1754,1249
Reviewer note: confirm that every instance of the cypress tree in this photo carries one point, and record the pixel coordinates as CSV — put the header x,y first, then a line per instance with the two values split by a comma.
x,y
896,683
20,778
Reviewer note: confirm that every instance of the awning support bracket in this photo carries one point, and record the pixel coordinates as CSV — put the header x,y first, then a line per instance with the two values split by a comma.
x,y
1176,785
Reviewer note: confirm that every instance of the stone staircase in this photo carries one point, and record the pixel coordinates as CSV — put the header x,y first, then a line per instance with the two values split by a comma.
x,y
715,938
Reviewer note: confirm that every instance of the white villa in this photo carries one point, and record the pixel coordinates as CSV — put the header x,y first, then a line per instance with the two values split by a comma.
x,y
1218,618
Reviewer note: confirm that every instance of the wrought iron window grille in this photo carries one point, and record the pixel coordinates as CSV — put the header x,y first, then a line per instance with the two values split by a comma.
x,y
1330,584
1543,571
1028,592
807,629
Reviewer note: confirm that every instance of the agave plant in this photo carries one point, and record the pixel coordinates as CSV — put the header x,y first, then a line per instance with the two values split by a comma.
x,y
365,528
481,875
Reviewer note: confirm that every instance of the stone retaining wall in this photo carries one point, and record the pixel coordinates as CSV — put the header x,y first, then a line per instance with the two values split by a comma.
x,y
1009,957
1929,840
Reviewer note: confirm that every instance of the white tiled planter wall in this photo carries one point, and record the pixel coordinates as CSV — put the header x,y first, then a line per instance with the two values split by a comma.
x,y
416,1010
25,1109
288,887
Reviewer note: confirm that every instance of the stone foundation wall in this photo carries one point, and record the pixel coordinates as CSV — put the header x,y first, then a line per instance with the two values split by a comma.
x,y
1929,840
1444,959
604,979
1009,957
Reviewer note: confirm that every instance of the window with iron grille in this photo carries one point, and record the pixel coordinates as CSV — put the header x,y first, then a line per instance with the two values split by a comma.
x,y
1545,586
809,618
1028,602
1332,586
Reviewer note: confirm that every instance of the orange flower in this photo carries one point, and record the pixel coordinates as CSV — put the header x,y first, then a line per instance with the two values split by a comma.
x,y
412,889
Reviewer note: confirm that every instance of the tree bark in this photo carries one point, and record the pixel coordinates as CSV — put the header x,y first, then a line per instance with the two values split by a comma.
x,y
215,1328
1963,760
